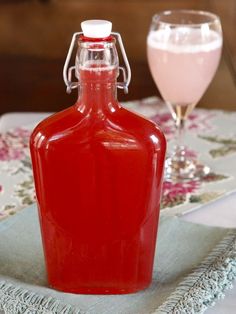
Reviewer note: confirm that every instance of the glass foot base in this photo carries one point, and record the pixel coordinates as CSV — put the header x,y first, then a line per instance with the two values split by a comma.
x,y
179,168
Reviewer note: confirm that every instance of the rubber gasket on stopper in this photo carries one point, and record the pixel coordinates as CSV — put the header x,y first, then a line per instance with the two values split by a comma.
x,y
96,28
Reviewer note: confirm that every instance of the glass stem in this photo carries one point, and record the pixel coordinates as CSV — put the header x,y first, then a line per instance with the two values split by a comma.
x,y
180,128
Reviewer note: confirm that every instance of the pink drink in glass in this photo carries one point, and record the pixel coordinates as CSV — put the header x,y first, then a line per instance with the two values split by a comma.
x,y
183,62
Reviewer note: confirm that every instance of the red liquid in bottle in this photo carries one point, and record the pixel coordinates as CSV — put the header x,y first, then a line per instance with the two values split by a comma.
x,y
98,173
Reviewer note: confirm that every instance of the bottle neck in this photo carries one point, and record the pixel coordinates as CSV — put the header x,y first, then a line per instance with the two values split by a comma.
x,y
97,70
97,90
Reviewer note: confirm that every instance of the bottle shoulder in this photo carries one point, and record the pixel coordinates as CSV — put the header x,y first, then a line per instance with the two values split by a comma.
x,y
122,126
54,121
142,126
57,122
54,127
128,130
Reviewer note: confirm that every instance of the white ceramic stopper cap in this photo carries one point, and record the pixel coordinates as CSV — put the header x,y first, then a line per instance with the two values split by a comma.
x,y
96,28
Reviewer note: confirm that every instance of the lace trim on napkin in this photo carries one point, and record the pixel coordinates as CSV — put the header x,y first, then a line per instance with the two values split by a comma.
x,y
194,295
17,300
207,283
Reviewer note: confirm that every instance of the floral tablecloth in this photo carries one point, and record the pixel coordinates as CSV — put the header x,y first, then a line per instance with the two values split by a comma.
x,y
210,134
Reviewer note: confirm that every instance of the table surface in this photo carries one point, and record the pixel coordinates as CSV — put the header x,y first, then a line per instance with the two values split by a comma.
x,y
219,213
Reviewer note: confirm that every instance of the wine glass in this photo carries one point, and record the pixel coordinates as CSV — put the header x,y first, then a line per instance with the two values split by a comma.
x,y
184,50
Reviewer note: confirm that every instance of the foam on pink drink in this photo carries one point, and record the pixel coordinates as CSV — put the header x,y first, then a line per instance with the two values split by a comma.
x,y
183,62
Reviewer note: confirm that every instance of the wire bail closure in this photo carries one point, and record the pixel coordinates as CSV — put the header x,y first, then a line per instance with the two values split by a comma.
x,y
67,71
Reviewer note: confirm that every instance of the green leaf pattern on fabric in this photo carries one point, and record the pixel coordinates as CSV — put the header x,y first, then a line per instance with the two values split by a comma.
x,y
228,145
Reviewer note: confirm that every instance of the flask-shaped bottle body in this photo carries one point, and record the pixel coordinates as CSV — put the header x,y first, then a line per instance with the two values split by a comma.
x,y
98,172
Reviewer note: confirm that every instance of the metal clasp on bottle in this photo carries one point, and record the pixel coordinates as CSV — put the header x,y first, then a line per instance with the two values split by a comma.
x,y
68,71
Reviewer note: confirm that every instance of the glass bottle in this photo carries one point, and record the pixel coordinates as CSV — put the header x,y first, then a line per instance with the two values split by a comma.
x,y
98,173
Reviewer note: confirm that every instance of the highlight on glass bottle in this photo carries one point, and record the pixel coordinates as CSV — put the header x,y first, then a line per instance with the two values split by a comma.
x,y
101,49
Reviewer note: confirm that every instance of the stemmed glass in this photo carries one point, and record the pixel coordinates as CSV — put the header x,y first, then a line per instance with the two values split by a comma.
x,y
184,50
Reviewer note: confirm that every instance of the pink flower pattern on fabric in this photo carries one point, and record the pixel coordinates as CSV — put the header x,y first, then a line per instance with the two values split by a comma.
x,y
182,188
175,193
196,122
14,144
